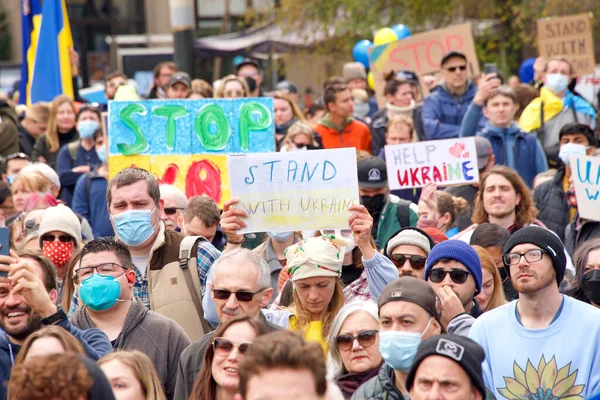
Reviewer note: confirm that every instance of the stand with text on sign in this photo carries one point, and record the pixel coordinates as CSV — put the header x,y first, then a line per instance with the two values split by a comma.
x,y
585,173
185,142
302,190
445,162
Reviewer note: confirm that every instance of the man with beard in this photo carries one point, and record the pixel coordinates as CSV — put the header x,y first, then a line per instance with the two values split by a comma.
x,y
390,213
28,295
547,334
408,250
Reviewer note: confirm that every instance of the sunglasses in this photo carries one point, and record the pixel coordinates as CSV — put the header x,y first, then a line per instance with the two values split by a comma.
x,y
171,210
20,156
453,69
237,93
224,346
52,238
458,276
220,294
416,261
365,339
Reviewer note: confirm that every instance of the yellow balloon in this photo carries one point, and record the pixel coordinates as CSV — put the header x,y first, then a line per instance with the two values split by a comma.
x,y
371,80
384,36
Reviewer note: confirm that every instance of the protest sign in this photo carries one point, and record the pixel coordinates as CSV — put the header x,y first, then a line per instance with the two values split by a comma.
x,y
185,142
585,172
422,54
301,190
569,37
445,162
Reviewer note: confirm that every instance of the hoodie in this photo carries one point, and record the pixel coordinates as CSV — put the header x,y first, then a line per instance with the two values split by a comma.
x,y
351,133
9,132
155,335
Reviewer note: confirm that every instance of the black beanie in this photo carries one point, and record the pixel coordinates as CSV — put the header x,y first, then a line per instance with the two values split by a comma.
x,y
544,239
464,351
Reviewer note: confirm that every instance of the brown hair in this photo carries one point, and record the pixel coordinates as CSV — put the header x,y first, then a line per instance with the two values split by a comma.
x,y
524,95
295,110
450,204
205,387
39,112
69,282
401,120
159,66
203,88
113,75
283,350
561,59
503,90
131,175
487,262
49,278
203,207
331,93
220,92
52,133
144,371
69,343
56,376
525,211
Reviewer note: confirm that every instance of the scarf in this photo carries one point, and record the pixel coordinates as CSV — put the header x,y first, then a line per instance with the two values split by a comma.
x,y
348,383
282,129
530,119
407,111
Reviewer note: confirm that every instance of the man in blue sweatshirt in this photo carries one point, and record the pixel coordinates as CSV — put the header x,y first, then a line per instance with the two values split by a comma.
x,y
27,303
543,345
512,147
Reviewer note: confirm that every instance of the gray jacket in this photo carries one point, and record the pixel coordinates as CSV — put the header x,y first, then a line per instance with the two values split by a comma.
x,y
155,335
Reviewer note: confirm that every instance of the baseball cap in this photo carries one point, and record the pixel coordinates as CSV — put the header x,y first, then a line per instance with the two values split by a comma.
x,y
182,77
372,173
286,87
484,151
413,290
450,54
408,76
247,61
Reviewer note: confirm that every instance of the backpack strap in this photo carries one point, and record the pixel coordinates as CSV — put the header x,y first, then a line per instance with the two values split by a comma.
x,y
73,148
403,211
185,255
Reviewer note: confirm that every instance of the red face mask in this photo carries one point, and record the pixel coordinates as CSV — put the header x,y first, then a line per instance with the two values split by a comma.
x,y
58,252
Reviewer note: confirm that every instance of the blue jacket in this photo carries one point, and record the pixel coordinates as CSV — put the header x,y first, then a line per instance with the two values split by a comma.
x,y
64,165
512,147
89,200
443,113
94,342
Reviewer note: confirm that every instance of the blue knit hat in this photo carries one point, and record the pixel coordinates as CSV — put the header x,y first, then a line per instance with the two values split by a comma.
x,y
459,251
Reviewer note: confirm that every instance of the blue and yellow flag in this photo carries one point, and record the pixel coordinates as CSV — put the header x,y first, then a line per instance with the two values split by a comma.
x,y
50,68
31,17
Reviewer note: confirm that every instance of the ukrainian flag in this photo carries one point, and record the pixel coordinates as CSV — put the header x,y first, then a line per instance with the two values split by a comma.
x,y
50,69
31,18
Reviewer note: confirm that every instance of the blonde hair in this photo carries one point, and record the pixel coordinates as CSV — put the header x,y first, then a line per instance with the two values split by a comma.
x,y
360,95
300,128
39,112
52,134
450,204
402,120
220,92
69,343
203,88
144,371
487,262
33,182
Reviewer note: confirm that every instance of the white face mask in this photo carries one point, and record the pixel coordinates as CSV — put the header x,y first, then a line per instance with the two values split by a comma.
x,y
571,148
557,82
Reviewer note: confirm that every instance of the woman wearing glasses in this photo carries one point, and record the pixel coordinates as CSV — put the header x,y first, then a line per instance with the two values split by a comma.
x,y
232,87
219,378
354,355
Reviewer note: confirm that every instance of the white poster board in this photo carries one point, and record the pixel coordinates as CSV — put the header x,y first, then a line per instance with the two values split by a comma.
x,y
301,190
585,172
445,162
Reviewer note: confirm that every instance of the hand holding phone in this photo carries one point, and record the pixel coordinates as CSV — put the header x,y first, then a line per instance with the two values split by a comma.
x,y
491,68
4,249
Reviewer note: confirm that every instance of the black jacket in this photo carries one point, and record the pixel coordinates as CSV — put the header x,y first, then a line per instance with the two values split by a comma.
x,y
378,128
26,141
574,236
553,210
380,387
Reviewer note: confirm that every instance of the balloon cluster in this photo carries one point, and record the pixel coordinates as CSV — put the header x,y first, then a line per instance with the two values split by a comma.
x,y
383,36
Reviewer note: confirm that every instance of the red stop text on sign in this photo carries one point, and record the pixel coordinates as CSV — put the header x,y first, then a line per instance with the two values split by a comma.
x,y
425,56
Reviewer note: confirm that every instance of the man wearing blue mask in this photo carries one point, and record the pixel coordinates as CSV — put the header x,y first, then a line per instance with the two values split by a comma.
x,y
555,107
167,280
409,312
105,277
549,197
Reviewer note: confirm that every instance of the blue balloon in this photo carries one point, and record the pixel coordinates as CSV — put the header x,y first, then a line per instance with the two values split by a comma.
x,y
401,31
526,70
359,52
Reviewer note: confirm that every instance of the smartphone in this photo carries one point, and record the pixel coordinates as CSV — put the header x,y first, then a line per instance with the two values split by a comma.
x,y
490,68
4,246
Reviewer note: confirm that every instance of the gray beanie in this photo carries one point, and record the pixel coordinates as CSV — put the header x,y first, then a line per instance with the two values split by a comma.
x,y
61,219
412,236
354,70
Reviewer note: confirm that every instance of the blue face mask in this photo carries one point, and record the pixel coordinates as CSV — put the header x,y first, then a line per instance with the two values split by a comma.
x,y
87,128
101,152
557,82
11,178
399,348
100,292
280,236
134,227
571,148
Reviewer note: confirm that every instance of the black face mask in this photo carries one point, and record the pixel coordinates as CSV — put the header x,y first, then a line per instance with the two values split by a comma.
x,y
373,204
251,83
591,286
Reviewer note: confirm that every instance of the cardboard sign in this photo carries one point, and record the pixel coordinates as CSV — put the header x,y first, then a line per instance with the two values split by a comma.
x,y
185,142
569,37
301,190
585,172
422,54
446,162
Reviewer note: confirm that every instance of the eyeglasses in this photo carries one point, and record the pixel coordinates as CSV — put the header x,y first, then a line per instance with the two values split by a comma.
x,y
530,256
52,238
224,346
20,156
458,276
103,269
116,84
365,339
171,210
416,261
220,294
345,233
231,93
453,69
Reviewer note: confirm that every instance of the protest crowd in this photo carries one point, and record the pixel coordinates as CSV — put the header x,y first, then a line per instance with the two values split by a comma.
x,y
116,283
